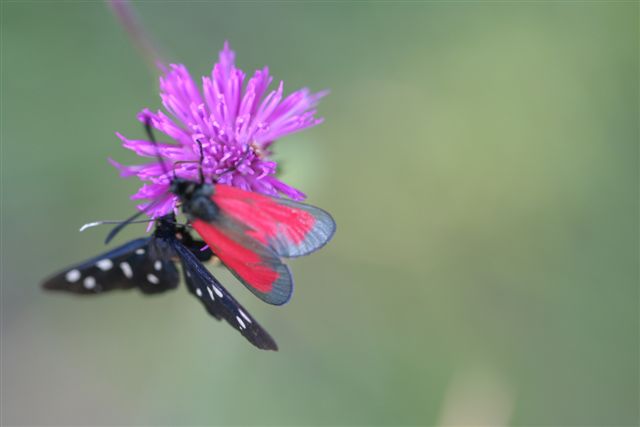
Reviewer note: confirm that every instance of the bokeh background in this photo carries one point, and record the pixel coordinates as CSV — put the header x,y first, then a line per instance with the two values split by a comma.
x,y
481,160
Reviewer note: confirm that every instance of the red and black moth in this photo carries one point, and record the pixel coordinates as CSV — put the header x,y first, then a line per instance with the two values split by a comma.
x,y
250,233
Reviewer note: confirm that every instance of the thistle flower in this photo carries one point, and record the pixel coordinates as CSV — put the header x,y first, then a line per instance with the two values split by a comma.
x,y
234,124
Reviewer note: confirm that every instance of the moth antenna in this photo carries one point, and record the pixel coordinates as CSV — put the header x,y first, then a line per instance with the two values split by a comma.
x,y
249,150
201,172
111,222
149,131
116,222
132,218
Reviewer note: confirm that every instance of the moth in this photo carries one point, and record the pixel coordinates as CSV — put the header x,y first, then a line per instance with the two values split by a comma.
x,y
149,264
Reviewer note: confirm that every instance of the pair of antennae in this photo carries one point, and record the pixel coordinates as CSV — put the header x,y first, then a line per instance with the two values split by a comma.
x,y
149,130
132,219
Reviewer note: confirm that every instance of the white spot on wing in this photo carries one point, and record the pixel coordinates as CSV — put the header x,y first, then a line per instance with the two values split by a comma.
x,y
240,322
157,265
218,292
104,264
210,293
140,251
72,275
198,292
126,269
243,314
153,279
89,282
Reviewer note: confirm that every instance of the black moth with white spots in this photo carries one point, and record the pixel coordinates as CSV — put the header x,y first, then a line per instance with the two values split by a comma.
x,y
148,264
129,266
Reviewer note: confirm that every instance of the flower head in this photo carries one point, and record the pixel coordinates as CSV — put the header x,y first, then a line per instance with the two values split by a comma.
x,y
232,123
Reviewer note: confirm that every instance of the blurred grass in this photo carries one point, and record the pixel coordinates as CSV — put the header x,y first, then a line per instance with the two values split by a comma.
x,y
481,160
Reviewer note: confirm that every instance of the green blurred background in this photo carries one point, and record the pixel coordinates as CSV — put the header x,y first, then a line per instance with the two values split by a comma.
x,y
481,160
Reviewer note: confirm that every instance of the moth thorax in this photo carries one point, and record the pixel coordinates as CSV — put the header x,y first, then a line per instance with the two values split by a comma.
x,y
187,190
160,249
201,207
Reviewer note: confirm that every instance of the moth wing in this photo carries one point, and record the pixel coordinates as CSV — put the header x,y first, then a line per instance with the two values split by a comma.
x,y
291,229
131,265
220,303
257,266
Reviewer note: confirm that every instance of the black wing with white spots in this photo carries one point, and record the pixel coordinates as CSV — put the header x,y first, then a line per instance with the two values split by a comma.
x,y
132,265
218,302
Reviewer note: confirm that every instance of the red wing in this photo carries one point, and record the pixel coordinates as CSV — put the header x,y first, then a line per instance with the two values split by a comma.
x,y
254,264
290,228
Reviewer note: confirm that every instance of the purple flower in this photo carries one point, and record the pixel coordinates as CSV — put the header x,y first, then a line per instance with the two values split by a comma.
x,y
235,124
